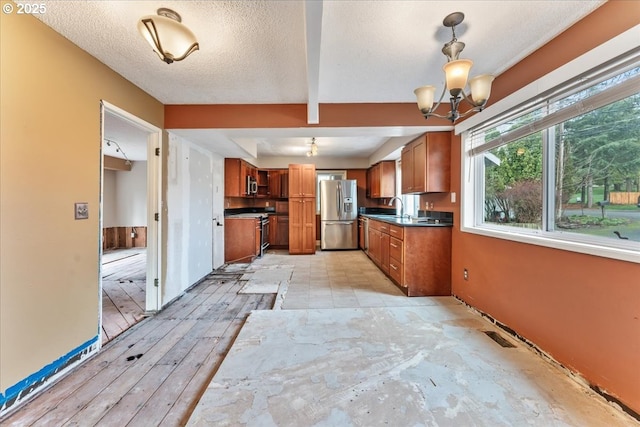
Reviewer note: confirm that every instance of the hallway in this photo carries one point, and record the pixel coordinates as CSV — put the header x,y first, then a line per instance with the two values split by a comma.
x,y
342,346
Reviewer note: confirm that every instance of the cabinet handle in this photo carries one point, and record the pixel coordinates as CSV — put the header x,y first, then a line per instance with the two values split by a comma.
x,y
393,266
394,245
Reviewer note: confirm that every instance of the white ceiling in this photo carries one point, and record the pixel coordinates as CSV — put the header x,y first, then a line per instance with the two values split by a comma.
x,y
309,52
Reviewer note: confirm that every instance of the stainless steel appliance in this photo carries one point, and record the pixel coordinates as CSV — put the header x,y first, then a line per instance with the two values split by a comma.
x,y
339,214
252,185
264,234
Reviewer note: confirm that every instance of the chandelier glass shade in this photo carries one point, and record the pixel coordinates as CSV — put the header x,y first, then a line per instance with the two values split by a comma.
x,y
169,38
313,150
456,76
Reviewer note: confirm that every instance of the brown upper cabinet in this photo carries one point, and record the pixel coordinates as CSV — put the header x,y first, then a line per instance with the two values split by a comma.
x,y
426,164
302,180
236,172
381,179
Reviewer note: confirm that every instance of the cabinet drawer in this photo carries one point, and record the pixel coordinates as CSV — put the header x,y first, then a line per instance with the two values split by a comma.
x,y
395,249
374,225
396,231
395,271
384,228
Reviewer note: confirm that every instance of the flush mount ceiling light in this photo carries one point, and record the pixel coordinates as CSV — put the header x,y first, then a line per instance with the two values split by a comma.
x,y
168,37
456,73
313,150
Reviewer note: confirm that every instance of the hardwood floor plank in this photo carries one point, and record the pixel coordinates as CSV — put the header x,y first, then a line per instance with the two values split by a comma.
x,y
188,399
165,397
129,405
129,373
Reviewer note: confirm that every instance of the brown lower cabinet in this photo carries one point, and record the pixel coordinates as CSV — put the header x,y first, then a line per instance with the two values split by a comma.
x,y
416,258
279,231
241,239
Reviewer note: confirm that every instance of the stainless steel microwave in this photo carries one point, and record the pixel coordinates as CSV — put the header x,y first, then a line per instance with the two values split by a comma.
x,y
252,185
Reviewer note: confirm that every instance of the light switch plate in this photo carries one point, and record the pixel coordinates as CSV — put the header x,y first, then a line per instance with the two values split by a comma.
x,y
82,210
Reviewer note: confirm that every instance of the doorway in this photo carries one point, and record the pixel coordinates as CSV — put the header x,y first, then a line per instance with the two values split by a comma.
x,y
129,221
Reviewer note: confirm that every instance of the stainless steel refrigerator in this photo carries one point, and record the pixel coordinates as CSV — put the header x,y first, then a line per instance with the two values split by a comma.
x,y
339,214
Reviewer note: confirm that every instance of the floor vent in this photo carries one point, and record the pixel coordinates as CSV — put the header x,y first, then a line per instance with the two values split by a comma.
x,y
498,338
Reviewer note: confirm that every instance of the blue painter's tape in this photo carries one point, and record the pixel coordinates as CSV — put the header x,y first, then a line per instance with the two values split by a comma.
x,y
47,372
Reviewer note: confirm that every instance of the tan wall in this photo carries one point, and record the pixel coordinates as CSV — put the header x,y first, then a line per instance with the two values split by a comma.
x,y
582,310
49,159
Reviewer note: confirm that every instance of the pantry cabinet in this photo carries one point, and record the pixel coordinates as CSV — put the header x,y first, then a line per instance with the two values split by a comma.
x,y
302,209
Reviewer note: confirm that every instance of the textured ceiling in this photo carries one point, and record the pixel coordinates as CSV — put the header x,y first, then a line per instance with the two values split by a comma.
x,y
310,51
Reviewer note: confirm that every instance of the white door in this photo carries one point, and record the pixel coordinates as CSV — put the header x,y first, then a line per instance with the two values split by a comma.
x,y
218,211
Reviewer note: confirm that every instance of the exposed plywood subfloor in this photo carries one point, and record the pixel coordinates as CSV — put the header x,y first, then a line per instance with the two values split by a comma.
x,y
123,290
155,372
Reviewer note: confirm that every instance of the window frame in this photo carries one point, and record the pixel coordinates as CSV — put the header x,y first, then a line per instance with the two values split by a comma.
x,y
472,168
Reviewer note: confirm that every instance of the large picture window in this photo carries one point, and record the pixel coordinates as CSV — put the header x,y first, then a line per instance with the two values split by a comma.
x,y
565,168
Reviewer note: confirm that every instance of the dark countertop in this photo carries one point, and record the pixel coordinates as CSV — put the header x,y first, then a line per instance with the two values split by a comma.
x,y
245,215
405,222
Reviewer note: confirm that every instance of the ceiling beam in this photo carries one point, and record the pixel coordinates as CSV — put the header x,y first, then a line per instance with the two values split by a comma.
x,y
313,32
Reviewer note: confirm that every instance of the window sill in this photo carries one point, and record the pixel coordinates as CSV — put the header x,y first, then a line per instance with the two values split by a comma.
x,y
552,240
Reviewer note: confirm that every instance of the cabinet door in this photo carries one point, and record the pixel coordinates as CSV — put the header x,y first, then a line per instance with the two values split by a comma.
x,y
233,183
302,226
273,230
302,180
374,172
384,252
374,245
284,184
438,162
406,168
308,180
283,231
274,184
387,179
295,181
419,148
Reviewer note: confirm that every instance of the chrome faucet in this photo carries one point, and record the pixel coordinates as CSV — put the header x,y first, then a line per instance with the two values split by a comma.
x,y
401,205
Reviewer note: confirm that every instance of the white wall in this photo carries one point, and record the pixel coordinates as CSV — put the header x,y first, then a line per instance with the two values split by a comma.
x,y
131,195
109,215
189,216
124,200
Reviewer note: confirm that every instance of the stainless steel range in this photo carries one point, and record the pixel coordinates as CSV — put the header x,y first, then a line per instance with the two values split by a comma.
x,y
264,234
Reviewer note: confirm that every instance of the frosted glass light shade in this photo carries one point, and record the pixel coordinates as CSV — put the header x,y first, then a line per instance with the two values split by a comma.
x,y
169,38
456,74
480,88
425,95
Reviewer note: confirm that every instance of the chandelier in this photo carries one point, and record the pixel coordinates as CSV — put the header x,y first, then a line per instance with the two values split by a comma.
x,y
456,73
168,37
313,150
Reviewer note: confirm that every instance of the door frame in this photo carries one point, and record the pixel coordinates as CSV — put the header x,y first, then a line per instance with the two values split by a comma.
x,y
153,291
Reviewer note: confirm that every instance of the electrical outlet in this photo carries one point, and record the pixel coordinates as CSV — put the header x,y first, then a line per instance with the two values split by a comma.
x,y
465,274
